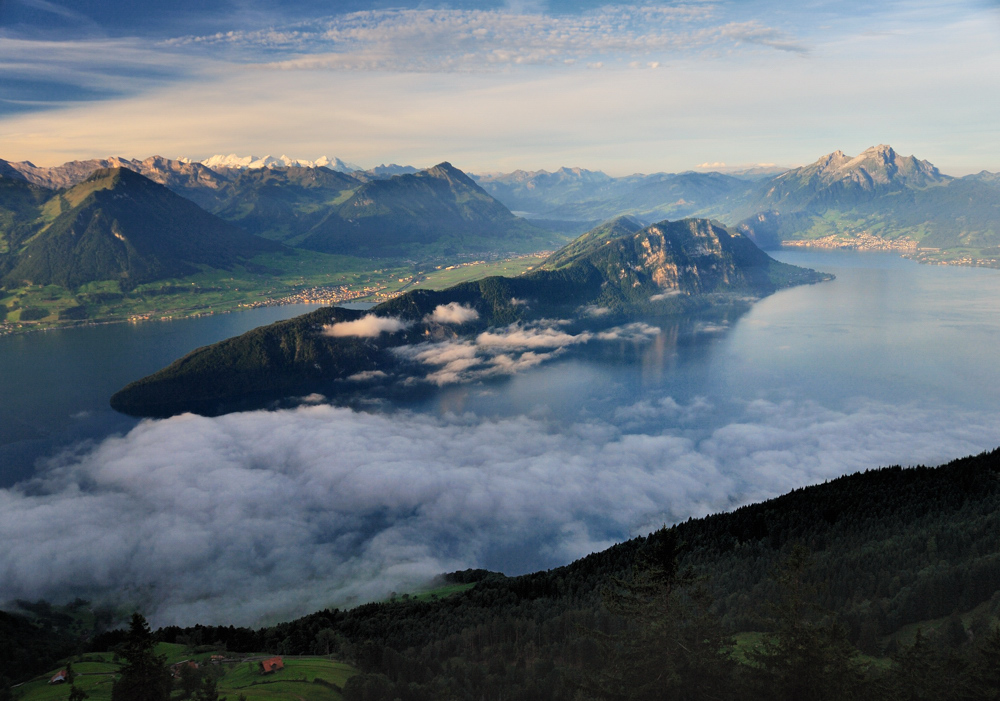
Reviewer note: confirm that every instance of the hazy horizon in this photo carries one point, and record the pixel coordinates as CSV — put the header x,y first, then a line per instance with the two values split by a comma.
x,y
495,86
368,164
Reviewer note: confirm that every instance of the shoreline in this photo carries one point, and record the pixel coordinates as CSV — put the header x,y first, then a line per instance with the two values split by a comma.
x,y
907,248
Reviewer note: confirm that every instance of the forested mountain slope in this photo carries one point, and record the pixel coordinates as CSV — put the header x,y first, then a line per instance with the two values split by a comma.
x,y
118,225
831,580
670,267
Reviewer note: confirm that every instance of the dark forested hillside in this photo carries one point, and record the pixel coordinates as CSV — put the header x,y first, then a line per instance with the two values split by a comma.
x,y
822,574
812,595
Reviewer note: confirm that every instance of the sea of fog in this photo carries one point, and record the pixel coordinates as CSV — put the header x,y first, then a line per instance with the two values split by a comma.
x,y
260,516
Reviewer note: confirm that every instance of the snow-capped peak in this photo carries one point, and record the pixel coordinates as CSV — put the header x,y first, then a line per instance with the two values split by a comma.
x,y
249,162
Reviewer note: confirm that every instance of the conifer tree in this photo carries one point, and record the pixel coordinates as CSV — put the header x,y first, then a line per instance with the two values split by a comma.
x,y
807,657
144,676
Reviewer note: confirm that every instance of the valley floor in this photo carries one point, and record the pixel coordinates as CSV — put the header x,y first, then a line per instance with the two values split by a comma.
x,y
301,278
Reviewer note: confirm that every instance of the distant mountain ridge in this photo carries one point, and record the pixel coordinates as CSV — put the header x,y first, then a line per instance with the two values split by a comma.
x,y
235,162
119,225
838,178
877,199
577,193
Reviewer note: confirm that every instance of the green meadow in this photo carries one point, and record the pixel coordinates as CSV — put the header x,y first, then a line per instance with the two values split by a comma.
x,y
302,679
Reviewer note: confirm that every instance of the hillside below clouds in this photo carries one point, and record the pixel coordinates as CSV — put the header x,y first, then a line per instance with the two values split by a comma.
x,y
599,287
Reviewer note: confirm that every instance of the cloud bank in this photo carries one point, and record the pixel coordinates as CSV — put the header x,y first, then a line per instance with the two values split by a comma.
x,y
507,350
265,515
368,326
453,313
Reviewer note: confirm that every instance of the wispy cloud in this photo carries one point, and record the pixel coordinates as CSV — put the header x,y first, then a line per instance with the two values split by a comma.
x,y
475,40
508,350
44,74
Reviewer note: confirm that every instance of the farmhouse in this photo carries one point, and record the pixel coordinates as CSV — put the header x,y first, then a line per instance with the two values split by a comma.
x,y
272,665
175,669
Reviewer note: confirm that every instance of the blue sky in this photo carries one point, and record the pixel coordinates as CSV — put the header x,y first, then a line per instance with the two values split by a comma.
x,y
622,87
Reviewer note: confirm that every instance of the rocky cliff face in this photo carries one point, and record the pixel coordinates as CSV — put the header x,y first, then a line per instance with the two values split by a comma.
x,y
838,177
691,256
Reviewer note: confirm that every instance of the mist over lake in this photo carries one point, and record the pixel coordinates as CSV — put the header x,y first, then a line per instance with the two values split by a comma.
x,y
263,515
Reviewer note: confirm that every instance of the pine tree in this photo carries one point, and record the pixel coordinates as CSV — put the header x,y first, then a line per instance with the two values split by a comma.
x,y
807,657
984,672
144,676
208,690
672,648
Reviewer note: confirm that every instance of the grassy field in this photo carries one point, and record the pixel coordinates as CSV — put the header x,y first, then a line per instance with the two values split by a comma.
x,y
439,279
302,679
293,278
441,592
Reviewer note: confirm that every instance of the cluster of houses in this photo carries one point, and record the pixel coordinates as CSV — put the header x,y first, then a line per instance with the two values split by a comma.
x,y
268,666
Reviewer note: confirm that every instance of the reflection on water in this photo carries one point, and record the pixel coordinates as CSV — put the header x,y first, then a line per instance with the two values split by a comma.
x,y
592,379
887,329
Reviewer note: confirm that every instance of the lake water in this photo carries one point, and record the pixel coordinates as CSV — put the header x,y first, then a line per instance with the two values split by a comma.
x,y
55,385
886,329
266,515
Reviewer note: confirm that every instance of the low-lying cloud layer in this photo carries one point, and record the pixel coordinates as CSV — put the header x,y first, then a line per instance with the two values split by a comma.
x,y
508,350
368,326
265,515
453,313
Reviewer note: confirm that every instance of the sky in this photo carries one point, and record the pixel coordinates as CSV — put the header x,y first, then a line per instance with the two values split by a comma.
x,y
495,86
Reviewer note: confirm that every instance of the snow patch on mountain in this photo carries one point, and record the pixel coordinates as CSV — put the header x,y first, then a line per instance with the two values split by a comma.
x,y
251,162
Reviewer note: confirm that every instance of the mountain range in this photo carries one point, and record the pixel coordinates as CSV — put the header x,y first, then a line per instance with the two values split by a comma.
x,y
613,274
877,193
875,199
137,221
585,195
115,225
235,162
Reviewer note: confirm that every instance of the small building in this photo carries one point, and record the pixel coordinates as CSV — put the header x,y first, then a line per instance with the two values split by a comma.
x,y
59,677
176,668
272,665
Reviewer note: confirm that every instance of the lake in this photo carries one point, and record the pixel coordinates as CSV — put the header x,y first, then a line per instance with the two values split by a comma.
x,y
56,384
265,515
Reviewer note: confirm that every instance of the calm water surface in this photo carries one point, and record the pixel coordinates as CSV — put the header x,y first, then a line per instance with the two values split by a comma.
x,y
55,385
886,329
